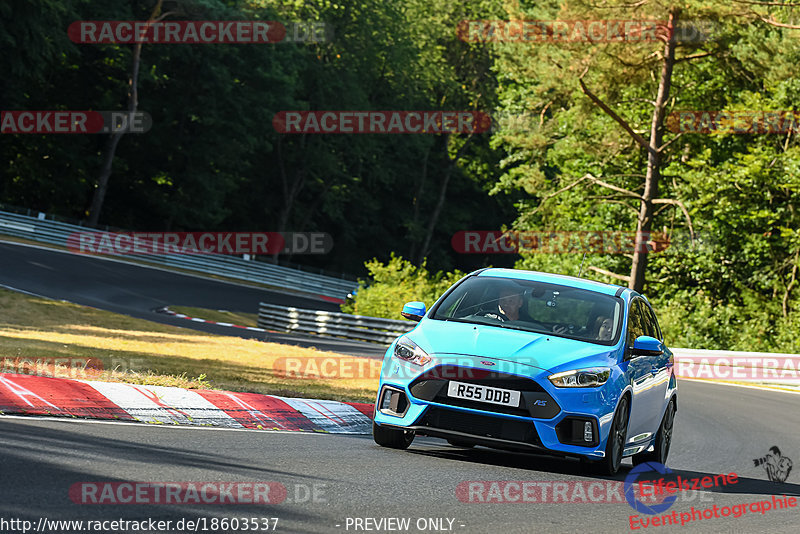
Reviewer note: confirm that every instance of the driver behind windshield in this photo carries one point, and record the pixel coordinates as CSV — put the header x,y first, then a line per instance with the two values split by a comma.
x,y
604,328
508,304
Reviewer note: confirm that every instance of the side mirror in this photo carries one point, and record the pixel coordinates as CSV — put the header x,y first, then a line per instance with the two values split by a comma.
x,y
646,346
413,311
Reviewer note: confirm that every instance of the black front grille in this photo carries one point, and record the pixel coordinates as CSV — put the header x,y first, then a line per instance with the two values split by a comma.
x,y
483,377
480,425
534,401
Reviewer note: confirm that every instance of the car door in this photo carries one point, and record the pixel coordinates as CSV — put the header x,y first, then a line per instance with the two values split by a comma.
x,y
642,371
661,364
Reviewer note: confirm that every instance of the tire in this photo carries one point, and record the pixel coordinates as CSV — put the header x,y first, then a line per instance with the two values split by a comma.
x,y
462,444
615,445
391,437
663,439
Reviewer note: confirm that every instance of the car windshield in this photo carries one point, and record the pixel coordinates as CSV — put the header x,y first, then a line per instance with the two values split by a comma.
x,y
536,307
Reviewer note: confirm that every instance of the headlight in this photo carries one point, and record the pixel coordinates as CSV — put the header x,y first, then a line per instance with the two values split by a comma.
x,y
407,350
581,378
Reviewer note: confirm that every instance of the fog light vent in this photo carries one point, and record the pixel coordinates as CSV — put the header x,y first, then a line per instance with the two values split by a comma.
x,y
393,402
387,399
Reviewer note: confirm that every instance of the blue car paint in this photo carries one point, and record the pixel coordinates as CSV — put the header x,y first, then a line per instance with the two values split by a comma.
x,y
542,355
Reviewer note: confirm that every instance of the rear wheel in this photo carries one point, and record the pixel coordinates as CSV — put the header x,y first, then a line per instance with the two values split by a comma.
x,y
393,438
663,440
615,445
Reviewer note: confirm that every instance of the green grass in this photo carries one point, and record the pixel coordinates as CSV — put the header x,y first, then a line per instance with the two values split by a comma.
x,y
139,351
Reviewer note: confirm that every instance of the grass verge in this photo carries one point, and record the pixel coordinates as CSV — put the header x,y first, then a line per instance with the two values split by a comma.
x,y
132,350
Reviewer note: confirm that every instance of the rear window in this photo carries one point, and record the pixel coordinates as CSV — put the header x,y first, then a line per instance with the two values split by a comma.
x,y
536,307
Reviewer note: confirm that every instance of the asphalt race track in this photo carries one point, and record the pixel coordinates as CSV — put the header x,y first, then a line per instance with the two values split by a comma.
x,y
719,429
137,290
337,483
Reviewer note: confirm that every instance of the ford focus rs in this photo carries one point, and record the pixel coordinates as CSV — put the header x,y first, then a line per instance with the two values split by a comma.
x,y
530,361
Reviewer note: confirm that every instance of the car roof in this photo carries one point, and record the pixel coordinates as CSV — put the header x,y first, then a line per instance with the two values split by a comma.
x,y
570,281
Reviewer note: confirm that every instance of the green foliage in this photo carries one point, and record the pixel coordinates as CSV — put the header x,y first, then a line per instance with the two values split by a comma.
x,y
214,161
695,320
394,283
740,191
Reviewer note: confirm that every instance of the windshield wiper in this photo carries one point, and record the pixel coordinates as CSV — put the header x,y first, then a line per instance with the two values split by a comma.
x,y
494,323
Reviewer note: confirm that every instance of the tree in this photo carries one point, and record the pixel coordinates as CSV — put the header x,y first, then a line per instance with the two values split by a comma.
x,y
624,71
116,136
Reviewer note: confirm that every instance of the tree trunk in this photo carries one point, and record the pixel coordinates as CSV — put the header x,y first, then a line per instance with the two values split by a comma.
x,y
111,146
290,190
437,210
653,175
417,201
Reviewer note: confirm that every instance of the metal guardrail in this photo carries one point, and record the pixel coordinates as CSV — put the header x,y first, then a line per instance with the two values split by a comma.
x,y
717,365
360,327
42,230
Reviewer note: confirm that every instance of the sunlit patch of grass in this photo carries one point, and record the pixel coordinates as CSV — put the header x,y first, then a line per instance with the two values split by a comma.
x,y
133,350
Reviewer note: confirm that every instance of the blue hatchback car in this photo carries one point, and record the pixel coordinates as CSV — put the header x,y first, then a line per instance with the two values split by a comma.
x,y
530,361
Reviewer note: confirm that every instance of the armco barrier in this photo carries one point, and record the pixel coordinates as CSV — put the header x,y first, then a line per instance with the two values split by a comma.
x,y
344,325
714,365
56,233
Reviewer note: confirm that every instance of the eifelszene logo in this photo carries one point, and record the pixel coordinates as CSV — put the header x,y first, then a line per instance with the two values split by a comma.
x,y
666,487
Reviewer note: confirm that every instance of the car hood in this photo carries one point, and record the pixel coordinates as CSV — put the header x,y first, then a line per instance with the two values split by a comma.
x,y
441,339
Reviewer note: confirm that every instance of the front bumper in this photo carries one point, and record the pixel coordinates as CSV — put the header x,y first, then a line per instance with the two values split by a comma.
x,y
548,419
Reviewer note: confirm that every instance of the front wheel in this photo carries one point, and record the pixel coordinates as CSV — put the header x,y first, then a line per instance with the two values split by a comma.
x,y
663,440
615,444
392,437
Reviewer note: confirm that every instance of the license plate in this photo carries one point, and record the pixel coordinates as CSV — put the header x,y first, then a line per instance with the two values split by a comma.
x,y
504,397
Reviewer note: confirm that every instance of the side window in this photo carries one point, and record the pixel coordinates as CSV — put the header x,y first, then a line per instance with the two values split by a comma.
x,y
635,321
652,323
